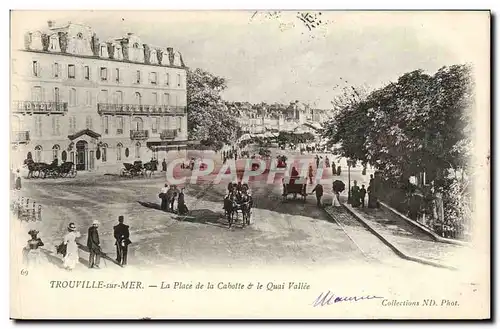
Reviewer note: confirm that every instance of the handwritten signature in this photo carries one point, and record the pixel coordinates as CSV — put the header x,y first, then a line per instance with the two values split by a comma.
x,y
329,298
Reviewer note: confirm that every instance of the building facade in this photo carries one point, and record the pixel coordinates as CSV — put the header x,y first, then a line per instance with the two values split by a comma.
x,y
96,104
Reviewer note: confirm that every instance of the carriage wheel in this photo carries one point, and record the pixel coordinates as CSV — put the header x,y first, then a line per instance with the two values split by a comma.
x,y
122,172
63,174
35,174
43,174
72,173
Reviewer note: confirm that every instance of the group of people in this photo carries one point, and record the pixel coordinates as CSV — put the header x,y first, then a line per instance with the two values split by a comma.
x,y
358,195
69,246
168,196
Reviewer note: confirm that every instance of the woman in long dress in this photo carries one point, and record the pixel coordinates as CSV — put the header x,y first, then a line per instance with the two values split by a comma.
x,y
71,257
336,201
32,253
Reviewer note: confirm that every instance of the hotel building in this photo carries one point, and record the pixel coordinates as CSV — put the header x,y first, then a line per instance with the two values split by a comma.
x,y
95,103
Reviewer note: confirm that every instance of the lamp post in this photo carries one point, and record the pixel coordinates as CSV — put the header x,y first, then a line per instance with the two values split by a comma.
x,y
349,164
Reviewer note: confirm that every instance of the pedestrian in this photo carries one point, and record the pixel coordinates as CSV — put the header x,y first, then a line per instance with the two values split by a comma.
x,y
181,204
362,195
71,256
164,165
334,171
122,234
18,180
175,191
31,251
163,197
310,174
93,244
339,170
327,162
319,193
317,161
355,200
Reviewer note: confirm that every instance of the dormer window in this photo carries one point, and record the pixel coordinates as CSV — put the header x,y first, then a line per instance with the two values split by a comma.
x,y
104,51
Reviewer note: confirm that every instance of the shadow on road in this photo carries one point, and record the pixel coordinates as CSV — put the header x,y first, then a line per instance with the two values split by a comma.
x,y
151,205
204,216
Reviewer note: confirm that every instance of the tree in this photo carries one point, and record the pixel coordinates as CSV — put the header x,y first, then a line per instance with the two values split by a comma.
x,y
209,120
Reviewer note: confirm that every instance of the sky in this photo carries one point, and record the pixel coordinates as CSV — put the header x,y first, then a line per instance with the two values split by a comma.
x,y
278,59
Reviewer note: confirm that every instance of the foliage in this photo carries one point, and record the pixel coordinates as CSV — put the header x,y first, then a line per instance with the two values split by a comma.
x,y
208,117
63,41
419,123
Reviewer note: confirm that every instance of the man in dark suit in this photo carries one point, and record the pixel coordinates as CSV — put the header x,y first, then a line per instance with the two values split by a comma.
x,y
319,193
121,234
94,245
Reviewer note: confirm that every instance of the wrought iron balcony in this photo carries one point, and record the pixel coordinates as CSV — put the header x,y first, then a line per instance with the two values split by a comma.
x,y
168,134
35,107
20,136
132,109
139,134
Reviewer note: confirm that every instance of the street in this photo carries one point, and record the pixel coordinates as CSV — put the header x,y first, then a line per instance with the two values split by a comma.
x,y
281,232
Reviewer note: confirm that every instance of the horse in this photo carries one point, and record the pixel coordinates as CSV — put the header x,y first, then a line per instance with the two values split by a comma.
x,y
151,167
229,204
35,168
246,208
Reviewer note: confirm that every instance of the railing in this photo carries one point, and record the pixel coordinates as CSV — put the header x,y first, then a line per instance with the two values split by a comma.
x,y
139,134
168,134
40,107
126,109
20,136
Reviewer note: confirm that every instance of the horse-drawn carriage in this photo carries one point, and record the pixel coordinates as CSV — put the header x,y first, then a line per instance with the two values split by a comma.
x,y
45,170
139,169
238,202
296,186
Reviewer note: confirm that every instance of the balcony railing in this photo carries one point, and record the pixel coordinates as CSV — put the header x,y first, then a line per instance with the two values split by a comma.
x,y
139,134
31,107
168,134
20,136
131,109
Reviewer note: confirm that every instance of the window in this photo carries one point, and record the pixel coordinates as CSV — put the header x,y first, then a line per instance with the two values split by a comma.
x,y
57,97
119,125
88,122
119,97
88,98
64,156
38,153
155,125
179,122
55,70
166,99
104,74
137,123
153,76
119,148
155,98
127,152
56,127
72,97
117,75
178,80
86,73
138,76
38,126
105,123
55,152
138,150
36,94
103,50
36,69
72,125
138,98
103,96
167,79
104,152
71,71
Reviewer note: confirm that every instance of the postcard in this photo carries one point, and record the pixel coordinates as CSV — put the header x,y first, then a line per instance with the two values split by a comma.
x,y
250,165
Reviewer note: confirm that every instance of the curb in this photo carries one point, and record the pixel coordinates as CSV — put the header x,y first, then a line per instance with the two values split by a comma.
x,y
424,229
397,251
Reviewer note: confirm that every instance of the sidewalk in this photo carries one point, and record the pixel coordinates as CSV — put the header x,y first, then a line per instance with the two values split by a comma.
x,y
408,240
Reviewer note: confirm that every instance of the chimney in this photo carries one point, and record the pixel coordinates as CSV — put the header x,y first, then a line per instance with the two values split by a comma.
x,y
51,24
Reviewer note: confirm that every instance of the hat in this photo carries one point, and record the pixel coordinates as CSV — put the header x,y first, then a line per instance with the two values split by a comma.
x,y
95,222
71,226
33,232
